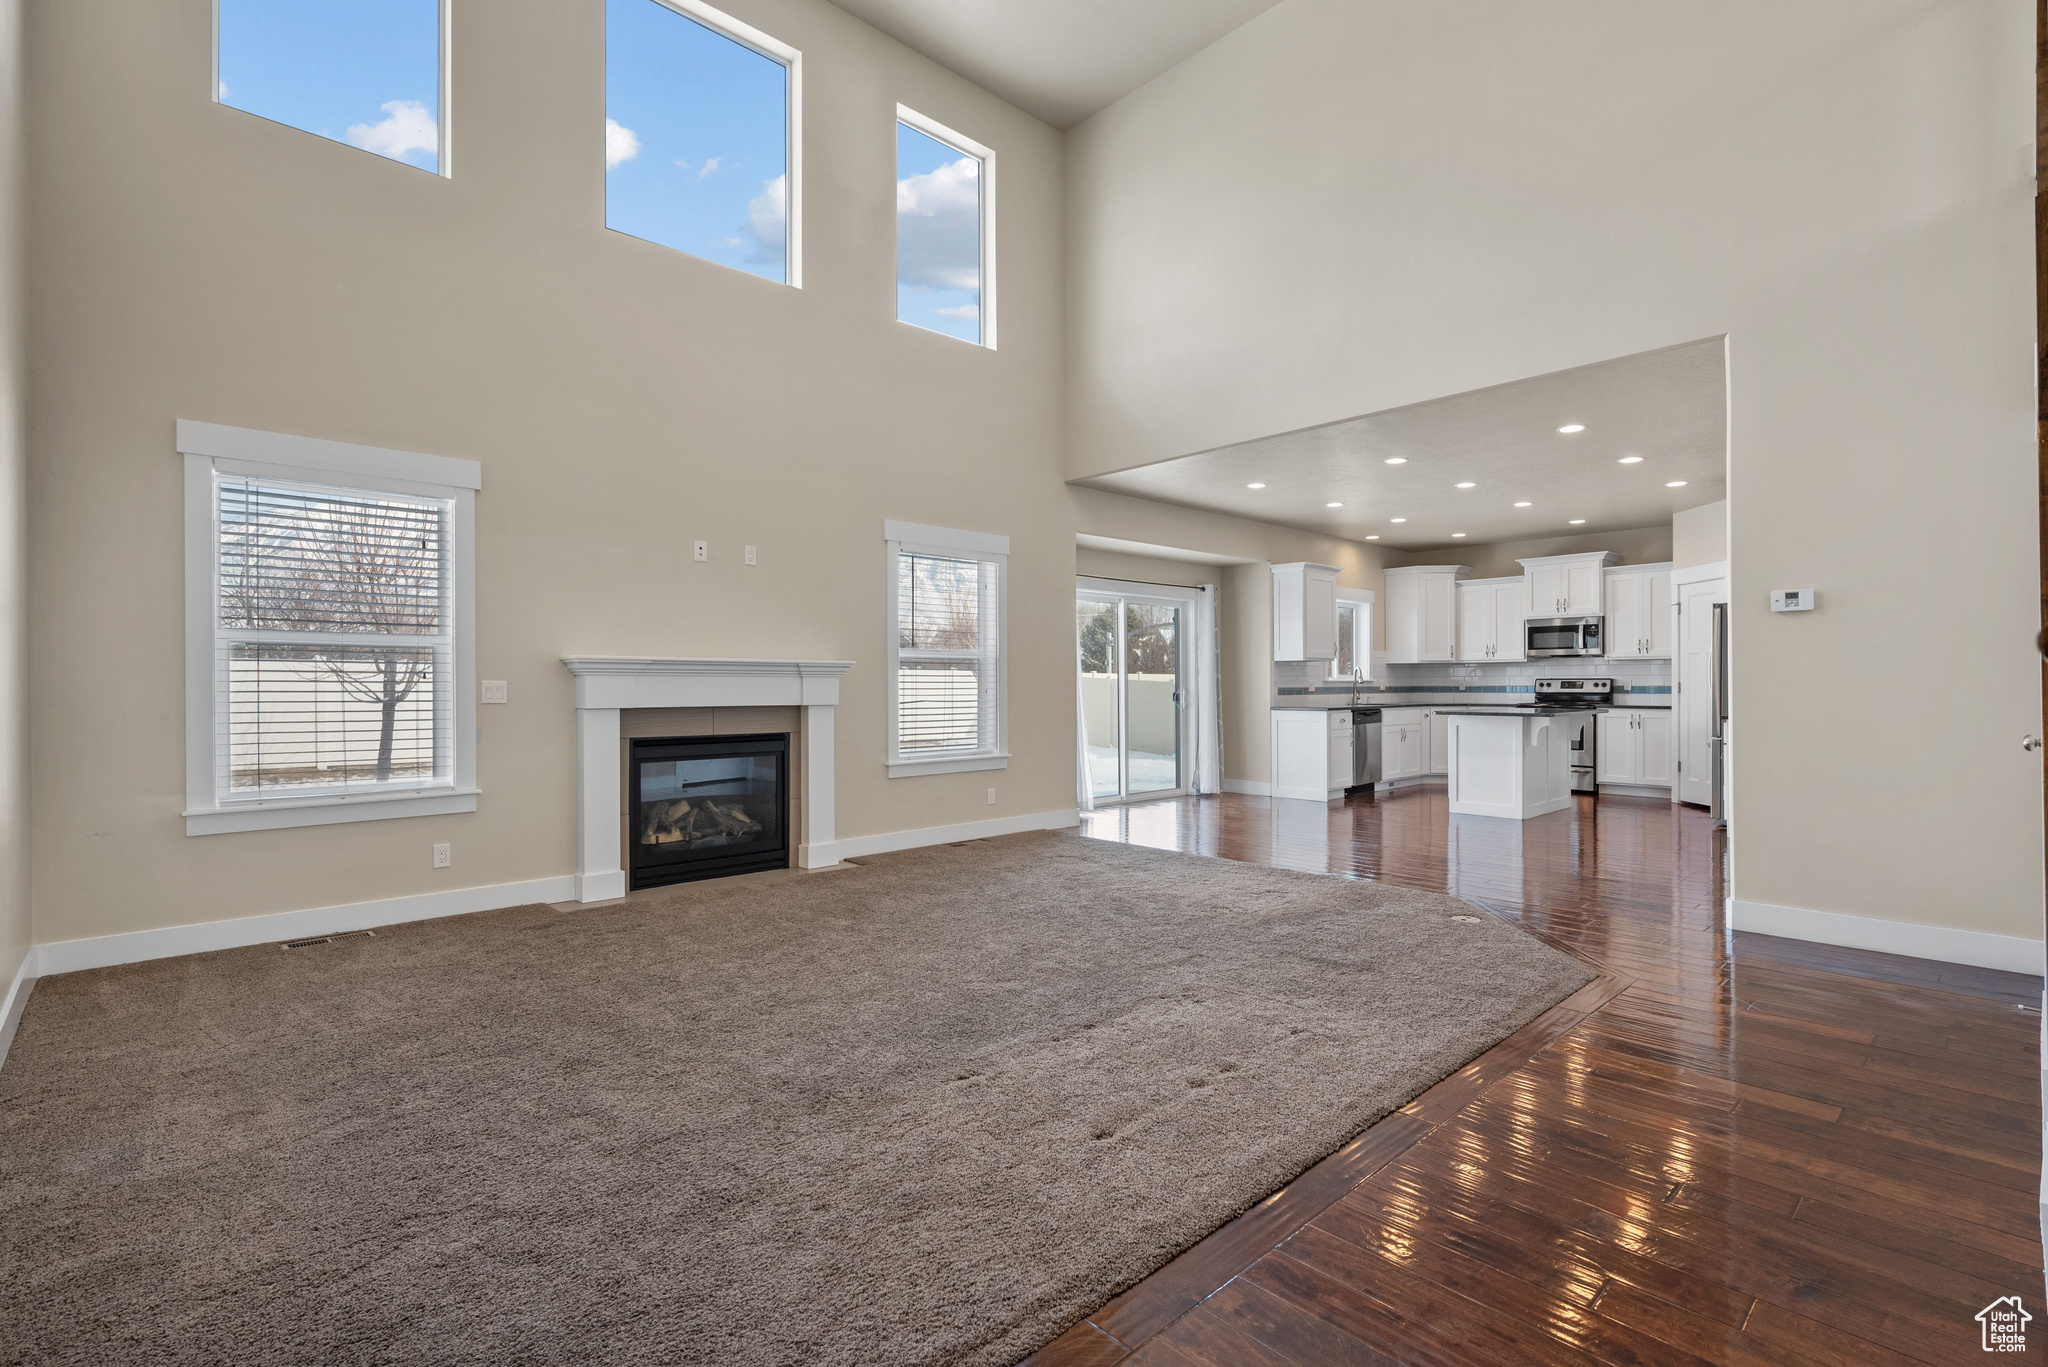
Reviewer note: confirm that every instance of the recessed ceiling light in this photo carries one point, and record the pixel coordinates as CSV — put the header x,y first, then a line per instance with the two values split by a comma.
x,y
1573,427
1333,505
1630,460
1374,537
1468,484
1457,533
1254,486
1675,484
1397,460
1397,519
1578,522
1523,505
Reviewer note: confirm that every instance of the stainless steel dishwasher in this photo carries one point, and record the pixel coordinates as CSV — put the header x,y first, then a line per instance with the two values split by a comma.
x,y
1365,746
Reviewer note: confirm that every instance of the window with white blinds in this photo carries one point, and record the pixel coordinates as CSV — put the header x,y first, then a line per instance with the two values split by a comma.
x,y
329,645
946,706
334,645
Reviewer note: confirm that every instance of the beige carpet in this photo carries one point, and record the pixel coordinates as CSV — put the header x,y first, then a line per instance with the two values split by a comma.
x,y
929,1110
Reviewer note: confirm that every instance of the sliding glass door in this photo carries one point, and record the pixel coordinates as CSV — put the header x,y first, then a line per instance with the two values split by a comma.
x,y
1133,712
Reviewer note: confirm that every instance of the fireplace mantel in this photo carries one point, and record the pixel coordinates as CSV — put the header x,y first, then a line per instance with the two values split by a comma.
x,y
609,684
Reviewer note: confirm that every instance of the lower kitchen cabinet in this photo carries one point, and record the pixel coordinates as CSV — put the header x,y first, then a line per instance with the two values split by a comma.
x,y
1636,746
1439,727
1404,744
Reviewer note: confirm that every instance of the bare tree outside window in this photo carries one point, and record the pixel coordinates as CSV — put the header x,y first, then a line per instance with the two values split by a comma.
x,y
343,592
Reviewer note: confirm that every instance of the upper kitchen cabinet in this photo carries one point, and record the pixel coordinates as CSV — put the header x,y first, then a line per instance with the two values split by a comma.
x,y
1304,611
1566,585
1490,620
1422,613
1641,622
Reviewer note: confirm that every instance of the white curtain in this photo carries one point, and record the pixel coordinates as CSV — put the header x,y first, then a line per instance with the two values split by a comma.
x,y
1206,662
1084,783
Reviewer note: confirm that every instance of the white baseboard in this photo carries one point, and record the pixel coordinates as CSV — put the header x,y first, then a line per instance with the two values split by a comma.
x,y
102,951
1250,787
1947,944
817,856
16,999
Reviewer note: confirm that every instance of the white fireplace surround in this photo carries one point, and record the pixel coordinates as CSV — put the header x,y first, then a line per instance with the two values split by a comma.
x,y
608,684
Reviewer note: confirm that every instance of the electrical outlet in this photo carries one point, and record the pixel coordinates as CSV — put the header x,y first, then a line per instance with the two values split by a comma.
x,y
442,859
494,690
703,550
750,555
991,797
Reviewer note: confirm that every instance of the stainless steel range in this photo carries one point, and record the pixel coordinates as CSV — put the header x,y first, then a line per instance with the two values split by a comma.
x,y
1590,696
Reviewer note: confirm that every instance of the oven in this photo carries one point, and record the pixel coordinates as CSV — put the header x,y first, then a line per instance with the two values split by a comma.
x,y
1545,637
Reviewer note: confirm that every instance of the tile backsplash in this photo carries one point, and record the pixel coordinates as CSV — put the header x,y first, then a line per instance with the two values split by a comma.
x,y
1647,682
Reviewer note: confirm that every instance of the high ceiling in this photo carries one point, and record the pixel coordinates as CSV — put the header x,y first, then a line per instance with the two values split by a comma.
x,y
1668,407
1061,60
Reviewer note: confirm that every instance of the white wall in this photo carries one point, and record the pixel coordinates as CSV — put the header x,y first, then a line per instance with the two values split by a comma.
x,y
193,261
1699,536
1349,205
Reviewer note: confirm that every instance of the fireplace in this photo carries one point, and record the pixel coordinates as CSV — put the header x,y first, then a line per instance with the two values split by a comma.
x,y
707,806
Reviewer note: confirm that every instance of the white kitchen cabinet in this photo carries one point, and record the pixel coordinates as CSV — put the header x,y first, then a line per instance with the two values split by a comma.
x,y
1566,585
1404,743
1304,611
1640,621
1422,613
1311,752
1635,747
1439,727
1490,619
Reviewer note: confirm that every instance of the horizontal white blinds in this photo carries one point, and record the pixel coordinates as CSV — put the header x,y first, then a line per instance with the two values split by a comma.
x,y
947,638
334,640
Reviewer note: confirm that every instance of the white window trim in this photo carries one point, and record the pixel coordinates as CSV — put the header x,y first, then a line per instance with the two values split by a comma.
x,y
932,128
207,448
1362,657
443,160
918,538
746,35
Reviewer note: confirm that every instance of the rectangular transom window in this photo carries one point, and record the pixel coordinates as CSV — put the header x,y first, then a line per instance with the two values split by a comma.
x,y
946,695
944,236
370,73
700,135
330,642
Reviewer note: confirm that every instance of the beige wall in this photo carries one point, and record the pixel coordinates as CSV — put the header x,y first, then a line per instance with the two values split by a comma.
x,y
16,928
1635,546
1699,536
1145,569
193,261
1372,203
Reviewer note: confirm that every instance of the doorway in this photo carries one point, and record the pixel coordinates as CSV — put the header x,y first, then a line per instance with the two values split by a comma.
x,y
1138,681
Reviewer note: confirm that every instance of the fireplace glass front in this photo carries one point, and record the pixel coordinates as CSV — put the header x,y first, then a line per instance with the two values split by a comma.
x,y
705,806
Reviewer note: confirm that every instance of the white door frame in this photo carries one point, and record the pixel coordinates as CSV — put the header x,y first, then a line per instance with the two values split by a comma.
x,y
1198,677
1702,585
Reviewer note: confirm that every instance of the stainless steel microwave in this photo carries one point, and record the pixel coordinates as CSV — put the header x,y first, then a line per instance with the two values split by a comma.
x,y
1544,637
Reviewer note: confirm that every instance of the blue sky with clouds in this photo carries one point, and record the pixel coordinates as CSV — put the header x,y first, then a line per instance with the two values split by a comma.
x,y
938,235
696,139
364,72
695,133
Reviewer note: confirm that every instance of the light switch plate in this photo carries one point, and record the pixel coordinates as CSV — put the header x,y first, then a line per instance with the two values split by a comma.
x,y
703,550
1792,600
494,690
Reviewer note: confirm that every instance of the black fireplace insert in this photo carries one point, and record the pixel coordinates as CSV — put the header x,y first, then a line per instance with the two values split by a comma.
x,y
707,806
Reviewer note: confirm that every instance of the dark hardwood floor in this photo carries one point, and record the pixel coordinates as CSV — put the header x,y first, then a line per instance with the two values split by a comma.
x,y
1727,1149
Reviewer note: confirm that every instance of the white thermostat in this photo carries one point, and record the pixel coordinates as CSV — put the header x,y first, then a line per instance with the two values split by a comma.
x,y
1792,600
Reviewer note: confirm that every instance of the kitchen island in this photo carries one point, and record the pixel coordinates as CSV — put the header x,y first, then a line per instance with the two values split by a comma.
x,y
1508,761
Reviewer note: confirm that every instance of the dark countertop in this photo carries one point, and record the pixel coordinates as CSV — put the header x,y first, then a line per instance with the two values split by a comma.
x,y
1497,710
